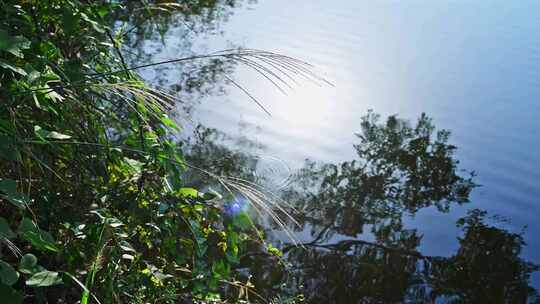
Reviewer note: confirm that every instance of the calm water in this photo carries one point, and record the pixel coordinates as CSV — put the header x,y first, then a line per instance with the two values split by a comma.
x,y
472,66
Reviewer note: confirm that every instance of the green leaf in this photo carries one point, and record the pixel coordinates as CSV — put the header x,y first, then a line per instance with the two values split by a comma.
x,y
52,94
8,274
17,200
9,187
169,123
70,21
104,9
126,246
126,256
114,222
56,135
42,133
242,221
202,245
42,240
74,69
13,44
28,264
211,195
10,295
5,230
96,26
7,65
33,75
135,166
189,192
44,278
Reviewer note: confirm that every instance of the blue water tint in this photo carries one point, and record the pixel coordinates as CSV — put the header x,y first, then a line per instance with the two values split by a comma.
x,y
473,66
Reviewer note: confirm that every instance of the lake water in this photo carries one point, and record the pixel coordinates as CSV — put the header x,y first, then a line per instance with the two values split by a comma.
x,y
472,66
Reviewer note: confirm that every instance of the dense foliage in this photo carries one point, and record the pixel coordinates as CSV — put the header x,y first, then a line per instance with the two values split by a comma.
x,y
91,200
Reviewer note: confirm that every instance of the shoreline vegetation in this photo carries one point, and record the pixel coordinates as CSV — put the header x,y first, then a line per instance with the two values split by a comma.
x,y
95,205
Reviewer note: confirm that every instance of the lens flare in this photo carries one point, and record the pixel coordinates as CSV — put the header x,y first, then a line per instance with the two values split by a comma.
x,y
238,205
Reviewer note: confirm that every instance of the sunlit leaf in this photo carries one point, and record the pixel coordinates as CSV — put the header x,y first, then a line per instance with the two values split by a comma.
x,y
42,133
6,65
169,123
44,278
113,222
126,256
189,192
126,246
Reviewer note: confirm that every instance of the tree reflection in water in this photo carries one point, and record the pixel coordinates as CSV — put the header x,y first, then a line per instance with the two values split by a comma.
x,y
360,251
485,269
158,30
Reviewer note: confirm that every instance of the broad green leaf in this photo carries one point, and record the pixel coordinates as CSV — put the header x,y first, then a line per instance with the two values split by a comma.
x,y
126,256
211,195
42,133
189,192
104,9
8,274
242,221
5,230
28,264
9,295
56,135
7,65
41,239
70,21
44,278
113,222
169,123
126,246
96,26
9,188
13,44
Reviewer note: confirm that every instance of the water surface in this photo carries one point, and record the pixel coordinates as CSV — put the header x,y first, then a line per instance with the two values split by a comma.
x,y
473,66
